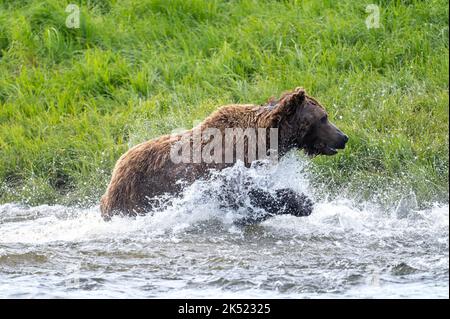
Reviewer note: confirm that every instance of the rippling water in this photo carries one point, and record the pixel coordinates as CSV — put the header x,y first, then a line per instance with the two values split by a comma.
x,y
192,249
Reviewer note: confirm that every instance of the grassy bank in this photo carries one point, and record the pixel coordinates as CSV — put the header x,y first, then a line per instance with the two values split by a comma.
x,y
73,100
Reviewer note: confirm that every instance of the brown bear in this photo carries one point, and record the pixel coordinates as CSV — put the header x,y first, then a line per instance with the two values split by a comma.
x,y
155,167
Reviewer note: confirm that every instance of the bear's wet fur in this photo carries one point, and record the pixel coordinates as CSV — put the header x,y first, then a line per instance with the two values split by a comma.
x,y
146,171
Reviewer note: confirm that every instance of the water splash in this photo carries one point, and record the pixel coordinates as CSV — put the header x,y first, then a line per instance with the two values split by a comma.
x,y
343,249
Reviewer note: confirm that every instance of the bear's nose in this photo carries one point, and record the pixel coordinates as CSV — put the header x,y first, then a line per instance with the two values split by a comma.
x,y
345,138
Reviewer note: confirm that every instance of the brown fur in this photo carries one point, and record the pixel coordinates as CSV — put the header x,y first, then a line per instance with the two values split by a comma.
x,y
146,170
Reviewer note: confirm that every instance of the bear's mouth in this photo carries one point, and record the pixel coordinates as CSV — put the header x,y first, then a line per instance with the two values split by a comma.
x,y
320,149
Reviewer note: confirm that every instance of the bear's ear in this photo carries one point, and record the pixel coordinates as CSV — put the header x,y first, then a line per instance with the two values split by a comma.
x,y
297,97
290,101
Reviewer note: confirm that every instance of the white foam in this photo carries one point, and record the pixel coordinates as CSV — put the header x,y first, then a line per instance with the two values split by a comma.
x,y
43,224
361,234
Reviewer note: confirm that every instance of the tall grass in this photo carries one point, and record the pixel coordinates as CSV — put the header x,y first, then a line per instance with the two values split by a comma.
x,y
73,100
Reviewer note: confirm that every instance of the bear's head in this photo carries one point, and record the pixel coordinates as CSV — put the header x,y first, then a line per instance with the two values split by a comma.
x,y
303,123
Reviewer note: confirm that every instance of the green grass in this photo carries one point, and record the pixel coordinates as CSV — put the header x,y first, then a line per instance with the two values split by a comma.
x,y
73,100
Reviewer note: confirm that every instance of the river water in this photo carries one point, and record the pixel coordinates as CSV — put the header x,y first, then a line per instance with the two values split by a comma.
x,y
192,249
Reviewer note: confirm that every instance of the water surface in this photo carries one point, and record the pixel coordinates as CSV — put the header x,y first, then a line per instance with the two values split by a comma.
x,y
191,249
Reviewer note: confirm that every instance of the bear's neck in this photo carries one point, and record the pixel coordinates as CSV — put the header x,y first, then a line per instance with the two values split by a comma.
x,y
290,135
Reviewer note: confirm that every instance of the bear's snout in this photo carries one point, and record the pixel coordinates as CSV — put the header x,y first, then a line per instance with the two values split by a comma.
x,y
342,141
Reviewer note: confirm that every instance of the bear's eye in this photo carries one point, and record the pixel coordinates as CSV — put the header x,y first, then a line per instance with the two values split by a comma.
x,y
324,119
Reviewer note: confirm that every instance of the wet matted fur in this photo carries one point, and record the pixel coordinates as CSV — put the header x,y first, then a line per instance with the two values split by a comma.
x,y
147,171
